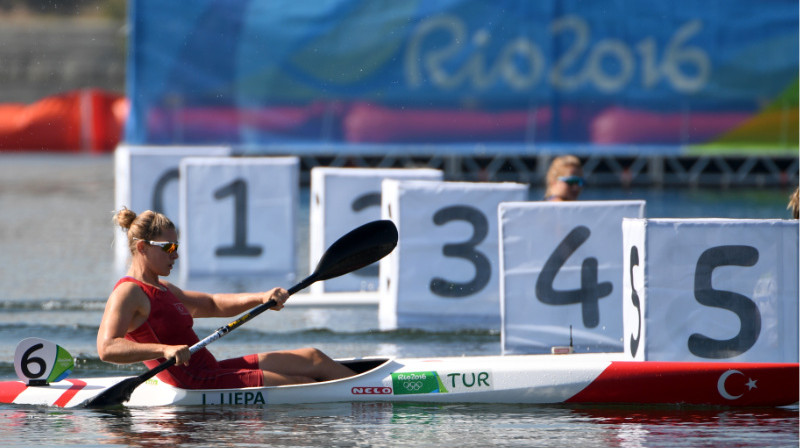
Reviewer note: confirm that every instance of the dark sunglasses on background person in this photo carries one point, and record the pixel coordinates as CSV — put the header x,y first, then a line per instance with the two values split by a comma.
x,y
167,246
572,180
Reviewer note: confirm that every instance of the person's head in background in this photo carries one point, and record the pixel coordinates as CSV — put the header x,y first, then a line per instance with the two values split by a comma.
x,y
564,179
794,206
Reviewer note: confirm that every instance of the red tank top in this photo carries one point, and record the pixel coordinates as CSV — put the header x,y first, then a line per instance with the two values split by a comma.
x,y
170,323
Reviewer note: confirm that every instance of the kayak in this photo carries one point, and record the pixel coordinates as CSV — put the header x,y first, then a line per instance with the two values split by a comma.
x,y
598,379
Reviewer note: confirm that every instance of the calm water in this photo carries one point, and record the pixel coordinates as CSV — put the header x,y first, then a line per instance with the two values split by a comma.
x,y
55,271
364,425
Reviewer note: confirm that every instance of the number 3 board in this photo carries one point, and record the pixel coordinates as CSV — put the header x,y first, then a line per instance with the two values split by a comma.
x,y
444,271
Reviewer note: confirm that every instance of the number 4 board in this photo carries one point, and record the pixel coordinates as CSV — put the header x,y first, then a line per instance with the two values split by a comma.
x,y
561,267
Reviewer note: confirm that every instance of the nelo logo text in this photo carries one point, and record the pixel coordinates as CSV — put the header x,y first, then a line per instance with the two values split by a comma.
x,y
371,390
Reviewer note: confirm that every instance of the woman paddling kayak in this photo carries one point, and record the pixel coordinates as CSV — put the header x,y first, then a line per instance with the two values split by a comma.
x,y
150,320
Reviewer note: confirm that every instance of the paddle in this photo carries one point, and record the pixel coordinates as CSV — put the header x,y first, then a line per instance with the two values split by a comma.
x,y
358,248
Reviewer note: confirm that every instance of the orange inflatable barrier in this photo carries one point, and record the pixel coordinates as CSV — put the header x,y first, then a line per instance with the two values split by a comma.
x,y
89,120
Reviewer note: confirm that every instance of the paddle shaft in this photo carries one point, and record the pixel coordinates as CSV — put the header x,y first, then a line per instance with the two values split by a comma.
x,y
222,331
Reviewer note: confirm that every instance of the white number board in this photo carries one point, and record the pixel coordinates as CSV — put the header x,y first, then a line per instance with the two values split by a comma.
x,y
239,216
711,290
561,266
146,178
341,200
444,271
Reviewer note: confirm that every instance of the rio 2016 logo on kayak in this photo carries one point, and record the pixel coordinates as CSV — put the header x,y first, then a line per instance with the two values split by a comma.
x,y
431,382
417,383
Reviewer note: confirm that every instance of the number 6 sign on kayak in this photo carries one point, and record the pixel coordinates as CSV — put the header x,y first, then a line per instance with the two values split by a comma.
x,y
39,362
443,274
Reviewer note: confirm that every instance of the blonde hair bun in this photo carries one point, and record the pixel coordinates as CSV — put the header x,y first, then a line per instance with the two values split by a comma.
x,y
125,217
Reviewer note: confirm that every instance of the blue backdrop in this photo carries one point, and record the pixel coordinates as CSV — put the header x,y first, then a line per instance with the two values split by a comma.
x,y
254,72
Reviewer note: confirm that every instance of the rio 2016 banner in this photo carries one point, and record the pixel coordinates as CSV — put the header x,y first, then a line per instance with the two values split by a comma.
x,y
245,71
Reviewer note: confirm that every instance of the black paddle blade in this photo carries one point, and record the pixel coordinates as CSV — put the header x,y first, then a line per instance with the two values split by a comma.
x,y
360,247
115,395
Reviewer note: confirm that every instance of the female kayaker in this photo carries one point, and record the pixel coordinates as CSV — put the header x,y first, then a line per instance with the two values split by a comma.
x,y
150,320
564,179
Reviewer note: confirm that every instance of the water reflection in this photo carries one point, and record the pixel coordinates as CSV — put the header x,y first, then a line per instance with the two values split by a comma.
x,y
400,424
180,426
669,426
410,424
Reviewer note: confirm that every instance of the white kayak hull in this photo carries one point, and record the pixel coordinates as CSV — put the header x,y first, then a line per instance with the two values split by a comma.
x,y
535,379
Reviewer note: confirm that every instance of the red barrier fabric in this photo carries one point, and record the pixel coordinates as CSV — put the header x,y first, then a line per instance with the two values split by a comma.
x,y
617,125
89,120
372,123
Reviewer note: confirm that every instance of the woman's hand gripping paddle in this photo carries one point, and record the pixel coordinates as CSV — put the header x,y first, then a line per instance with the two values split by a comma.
x,y
355,250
